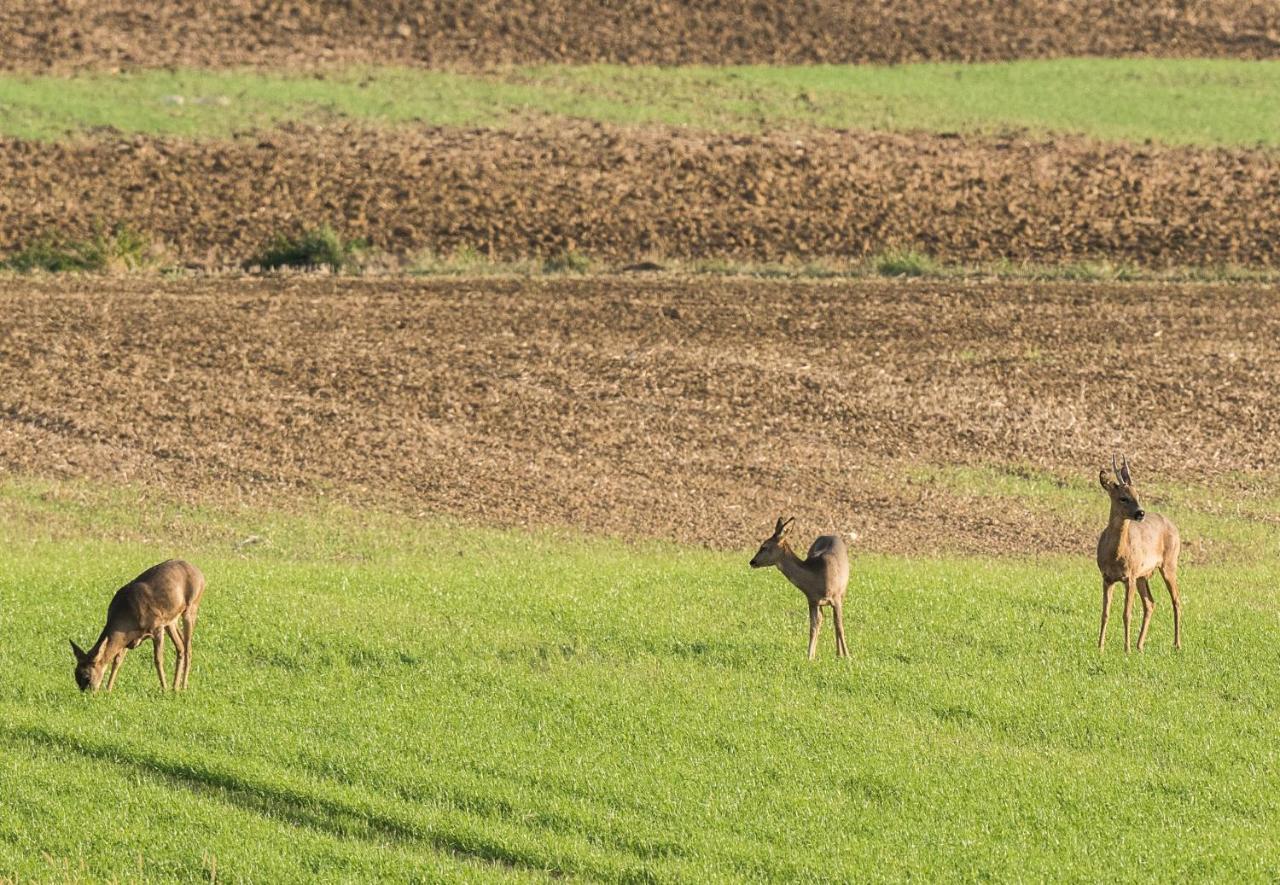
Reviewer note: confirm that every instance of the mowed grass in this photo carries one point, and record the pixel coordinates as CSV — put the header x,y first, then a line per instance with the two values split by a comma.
x,y
378,696
1176,101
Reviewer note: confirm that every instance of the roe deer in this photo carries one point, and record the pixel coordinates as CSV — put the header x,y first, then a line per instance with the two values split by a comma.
x,y
149,606
822,577
1132,546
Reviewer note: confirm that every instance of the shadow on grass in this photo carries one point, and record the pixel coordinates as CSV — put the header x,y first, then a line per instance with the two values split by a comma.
x,y
289,806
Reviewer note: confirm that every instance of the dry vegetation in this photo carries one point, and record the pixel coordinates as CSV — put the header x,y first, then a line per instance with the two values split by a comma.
x,y
675,408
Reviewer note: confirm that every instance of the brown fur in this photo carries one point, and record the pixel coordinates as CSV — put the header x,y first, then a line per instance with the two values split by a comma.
x,y
822,577
1133,546
147,607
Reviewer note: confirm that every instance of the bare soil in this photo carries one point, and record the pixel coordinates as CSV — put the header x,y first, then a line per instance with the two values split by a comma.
x,y
107,34
620,195
687,409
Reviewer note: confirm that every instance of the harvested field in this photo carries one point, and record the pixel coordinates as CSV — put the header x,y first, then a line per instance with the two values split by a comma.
x,y
673,408
619,194
130,33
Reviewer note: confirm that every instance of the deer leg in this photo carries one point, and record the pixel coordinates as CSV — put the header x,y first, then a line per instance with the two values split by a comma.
x,y
1148,608
1171,582
180,650
1130,590
188,629
1106,613
115,668
815,621
837,611
157,647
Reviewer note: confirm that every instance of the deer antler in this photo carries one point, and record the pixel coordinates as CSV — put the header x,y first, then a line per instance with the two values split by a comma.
x,y
1116,468
1124,470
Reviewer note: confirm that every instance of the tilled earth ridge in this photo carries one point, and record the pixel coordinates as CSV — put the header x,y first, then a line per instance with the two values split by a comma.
x,y
620,194
686,409
110,34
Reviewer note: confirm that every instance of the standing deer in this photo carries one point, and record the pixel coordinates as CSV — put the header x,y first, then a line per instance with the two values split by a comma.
x,y
822,577
149,606
1132,546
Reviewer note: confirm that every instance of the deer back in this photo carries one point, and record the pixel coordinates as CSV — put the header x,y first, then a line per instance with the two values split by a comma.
x,y
155,598
829,555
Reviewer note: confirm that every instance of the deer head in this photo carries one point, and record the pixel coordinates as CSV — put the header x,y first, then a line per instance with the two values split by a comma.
x,y
770,551
1124,498
89,668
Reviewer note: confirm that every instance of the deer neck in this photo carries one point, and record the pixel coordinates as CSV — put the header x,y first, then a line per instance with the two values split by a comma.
x,y
795,569
1119,525
107,647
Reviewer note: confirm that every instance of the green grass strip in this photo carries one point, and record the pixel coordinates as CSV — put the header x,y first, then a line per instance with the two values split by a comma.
x,y
1174,101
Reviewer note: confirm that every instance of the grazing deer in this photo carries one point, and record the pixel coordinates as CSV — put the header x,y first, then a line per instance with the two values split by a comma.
x,y
149,606
1132,546
822,577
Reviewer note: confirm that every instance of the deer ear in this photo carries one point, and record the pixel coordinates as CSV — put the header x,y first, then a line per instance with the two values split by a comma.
x,y
1106,482
76,650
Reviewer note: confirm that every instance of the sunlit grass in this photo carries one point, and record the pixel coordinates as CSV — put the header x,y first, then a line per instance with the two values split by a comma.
x,y
406,699
1177,101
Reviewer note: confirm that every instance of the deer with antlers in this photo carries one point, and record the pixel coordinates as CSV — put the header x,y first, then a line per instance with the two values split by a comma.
x,y
822,577
1133,546
148,607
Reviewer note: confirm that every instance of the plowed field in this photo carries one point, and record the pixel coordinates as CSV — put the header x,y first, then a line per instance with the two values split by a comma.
x,y
691,409
620,194
130,33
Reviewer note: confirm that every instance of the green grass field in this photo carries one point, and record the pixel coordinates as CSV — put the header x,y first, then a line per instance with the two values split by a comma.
x,y
1203,102
379,696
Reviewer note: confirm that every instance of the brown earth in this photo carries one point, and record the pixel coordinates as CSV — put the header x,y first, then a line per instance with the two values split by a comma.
x,y
686,408
72,34
619,194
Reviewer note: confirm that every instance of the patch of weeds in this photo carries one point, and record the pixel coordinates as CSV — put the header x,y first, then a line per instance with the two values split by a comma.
x,y
47,254
718,266
315,247
819,269
467,256
906,263
773,271
120,248
1230,273
466,260
1096,271
567,261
